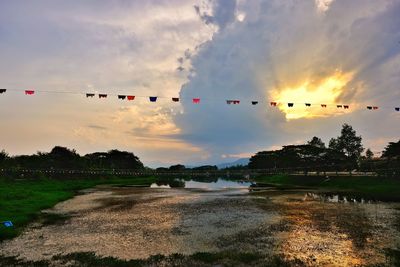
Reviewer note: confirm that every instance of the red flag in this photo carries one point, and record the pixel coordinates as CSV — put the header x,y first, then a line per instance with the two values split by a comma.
x,y
375,108
130,97
236,102
273,104
29,92
323,105
196,100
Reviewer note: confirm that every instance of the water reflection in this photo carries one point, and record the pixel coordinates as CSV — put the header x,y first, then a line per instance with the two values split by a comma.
x,y
218,184
340,198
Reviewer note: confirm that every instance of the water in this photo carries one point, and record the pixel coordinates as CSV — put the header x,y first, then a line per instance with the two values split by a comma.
x,y
219,184
131,223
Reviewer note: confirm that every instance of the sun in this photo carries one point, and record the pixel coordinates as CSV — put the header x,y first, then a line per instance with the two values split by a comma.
x,y
324,91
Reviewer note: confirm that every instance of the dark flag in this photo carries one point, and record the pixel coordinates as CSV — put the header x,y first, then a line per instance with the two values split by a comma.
x,y
102,95
29,92
153,98
121,97
89,95
175,99
3,91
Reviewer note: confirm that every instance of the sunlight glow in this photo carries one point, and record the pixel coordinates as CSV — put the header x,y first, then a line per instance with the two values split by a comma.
x,y
324,91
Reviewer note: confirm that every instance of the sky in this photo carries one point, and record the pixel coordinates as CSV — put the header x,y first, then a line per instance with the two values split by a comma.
x,y
301,51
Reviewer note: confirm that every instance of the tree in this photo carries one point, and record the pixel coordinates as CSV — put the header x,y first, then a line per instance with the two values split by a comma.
x,y
348,143
392,150
317,142
3,157
114,159
178,167
369,154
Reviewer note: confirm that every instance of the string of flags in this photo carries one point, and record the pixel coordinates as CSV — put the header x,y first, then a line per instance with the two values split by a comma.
x,y
197,100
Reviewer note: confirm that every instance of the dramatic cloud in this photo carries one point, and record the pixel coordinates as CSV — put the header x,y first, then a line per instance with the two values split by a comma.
x,y
287,51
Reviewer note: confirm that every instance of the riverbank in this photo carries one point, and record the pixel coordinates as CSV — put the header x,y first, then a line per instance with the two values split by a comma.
x,y
379,187
22,200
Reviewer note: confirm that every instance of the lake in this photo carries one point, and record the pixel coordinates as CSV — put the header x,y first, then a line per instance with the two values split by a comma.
x,y
296,225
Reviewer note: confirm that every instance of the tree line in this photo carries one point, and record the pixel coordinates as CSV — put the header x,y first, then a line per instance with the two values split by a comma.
x,y
62,158
343,153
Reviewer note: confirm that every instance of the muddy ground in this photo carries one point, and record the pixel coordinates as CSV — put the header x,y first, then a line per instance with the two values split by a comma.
x,y
209,227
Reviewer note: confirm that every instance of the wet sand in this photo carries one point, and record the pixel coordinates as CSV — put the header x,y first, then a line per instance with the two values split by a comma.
x,y
136,223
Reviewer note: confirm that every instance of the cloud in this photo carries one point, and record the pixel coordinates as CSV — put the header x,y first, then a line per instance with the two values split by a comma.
x,y
280,46
212,49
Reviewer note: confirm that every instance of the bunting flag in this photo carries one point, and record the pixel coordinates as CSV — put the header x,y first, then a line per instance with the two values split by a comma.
x,y
29,92
197,100
8,224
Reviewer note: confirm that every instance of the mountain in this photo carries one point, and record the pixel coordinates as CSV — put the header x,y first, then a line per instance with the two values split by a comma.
x,y
241,161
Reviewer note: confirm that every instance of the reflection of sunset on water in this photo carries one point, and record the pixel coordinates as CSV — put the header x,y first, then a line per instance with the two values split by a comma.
x,y
336,234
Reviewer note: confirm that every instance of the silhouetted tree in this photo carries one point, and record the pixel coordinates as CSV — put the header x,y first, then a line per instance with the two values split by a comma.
x,y
369,154
348,143
178,167
392,150
317,142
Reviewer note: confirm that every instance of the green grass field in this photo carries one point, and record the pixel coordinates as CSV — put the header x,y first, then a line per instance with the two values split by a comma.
x,y
373,186
21,201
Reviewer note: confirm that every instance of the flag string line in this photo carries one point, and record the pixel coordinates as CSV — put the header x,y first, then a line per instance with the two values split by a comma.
x,y
192,98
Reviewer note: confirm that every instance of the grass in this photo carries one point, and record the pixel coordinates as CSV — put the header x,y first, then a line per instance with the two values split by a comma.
x,y
21,201
223,258
373,186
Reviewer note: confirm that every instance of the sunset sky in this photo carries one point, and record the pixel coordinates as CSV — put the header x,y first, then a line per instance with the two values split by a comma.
x,y
317,51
